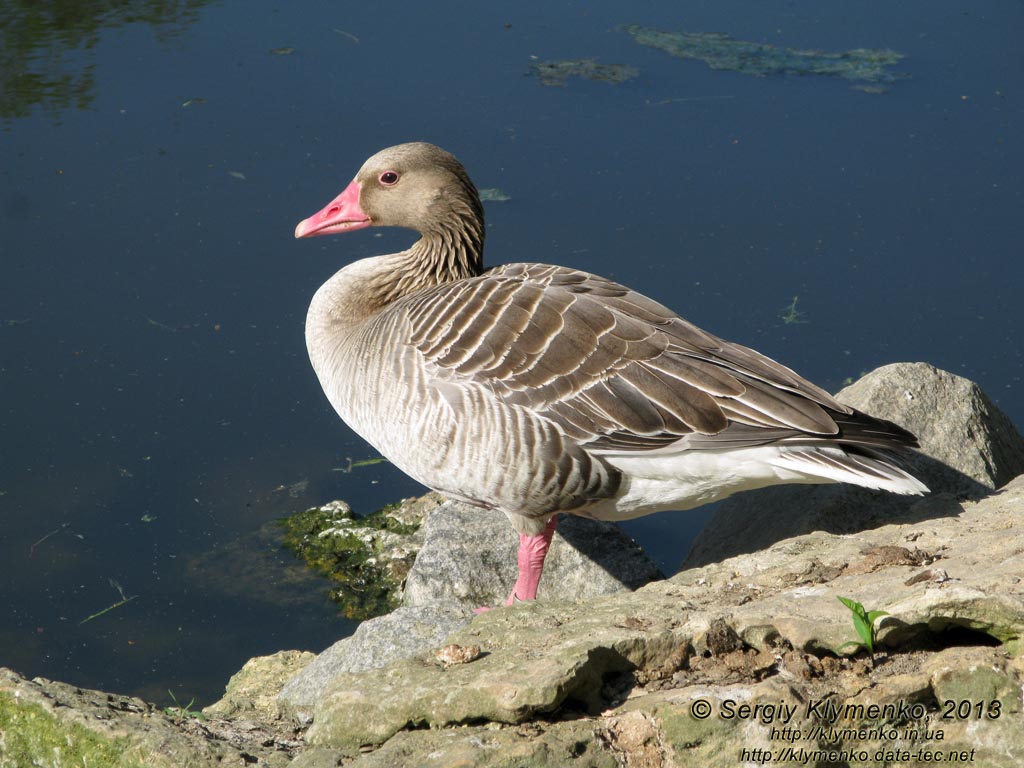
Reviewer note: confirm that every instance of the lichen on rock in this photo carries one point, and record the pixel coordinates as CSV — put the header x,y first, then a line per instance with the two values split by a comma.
x,y
49,724
29,733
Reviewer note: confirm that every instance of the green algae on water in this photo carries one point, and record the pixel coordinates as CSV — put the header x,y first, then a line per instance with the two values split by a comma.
x,y
720,51
493,195
557,72
366,558
790,315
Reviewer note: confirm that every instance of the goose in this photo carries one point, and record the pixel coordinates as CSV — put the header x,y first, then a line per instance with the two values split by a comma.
x,y
538,389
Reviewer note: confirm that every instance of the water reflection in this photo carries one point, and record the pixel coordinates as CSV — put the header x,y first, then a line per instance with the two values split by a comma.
x,y
46,48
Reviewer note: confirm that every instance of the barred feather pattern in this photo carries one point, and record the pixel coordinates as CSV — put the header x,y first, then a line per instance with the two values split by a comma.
x,y
516,389
535,389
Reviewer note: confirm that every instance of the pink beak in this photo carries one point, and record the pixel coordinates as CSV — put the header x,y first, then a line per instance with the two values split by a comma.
x,y
342,214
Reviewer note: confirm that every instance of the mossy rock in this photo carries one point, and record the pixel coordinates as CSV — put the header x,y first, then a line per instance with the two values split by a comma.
x,y
33,737
366,557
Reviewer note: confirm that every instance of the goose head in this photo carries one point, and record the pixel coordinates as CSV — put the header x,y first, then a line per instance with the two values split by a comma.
x,y
415,186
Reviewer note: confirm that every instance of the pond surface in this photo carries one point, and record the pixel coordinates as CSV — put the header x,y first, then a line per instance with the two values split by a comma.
x,y
157,408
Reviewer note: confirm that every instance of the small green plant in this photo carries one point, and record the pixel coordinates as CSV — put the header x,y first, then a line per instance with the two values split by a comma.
x,y
864,623
180,713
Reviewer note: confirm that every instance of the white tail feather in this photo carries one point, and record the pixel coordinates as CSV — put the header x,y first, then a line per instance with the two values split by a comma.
x,y
834,463
687,479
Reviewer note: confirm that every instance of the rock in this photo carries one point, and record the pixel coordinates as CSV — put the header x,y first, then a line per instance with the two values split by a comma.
x,y
468,559
403,633
554,660
848,736
52,725
469,555
317,758
965,675
252,691
510,683
575,743
616,680
956,423
968,448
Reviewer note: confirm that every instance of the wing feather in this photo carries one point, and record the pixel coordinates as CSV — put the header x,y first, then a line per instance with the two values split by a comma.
x,y
613,368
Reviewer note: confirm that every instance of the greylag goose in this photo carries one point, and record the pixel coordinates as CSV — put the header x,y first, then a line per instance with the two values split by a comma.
x,y
538,389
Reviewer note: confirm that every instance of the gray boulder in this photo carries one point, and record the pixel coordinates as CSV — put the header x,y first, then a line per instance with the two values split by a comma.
x,y
469,555
755,628
401,634
252,692
468,560
968,448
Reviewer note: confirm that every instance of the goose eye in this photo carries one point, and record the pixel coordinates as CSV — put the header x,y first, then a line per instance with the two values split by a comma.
x,y
389,178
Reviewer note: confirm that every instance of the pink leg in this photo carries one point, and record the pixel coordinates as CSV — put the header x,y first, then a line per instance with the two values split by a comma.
x,y
532,551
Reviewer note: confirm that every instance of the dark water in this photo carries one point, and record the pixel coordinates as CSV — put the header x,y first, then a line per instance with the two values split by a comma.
x,y
156,405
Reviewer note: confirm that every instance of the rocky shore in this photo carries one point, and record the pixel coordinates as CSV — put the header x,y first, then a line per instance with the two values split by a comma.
x,y
744,657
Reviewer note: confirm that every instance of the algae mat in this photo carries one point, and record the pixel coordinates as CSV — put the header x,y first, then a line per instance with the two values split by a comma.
x,y
718,51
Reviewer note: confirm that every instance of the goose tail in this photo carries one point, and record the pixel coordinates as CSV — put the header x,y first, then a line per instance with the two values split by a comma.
x,y
858,465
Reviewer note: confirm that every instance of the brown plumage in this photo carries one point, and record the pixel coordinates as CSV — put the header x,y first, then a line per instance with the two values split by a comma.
x,y
535,389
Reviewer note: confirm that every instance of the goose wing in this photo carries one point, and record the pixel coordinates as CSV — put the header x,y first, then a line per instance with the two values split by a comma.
x,y
615,369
